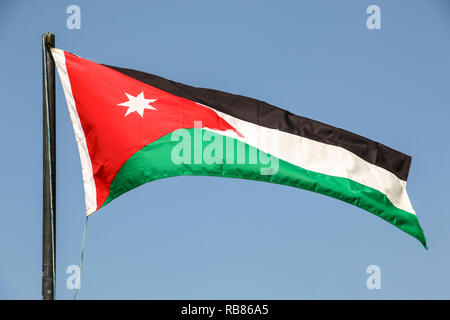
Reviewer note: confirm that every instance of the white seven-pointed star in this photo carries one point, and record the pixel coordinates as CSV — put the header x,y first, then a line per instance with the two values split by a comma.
x,y
138,104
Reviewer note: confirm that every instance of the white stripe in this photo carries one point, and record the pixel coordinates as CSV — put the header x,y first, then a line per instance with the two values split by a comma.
x,y
90,194
320,157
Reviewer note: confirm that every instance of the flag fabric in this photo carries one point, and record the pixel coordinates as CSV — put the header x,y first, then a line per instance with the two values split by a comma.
x,y
133,127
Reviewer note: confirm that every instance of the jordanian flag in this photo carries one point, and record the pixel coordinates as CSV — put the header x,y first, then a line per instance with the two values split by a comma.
x,y
133,127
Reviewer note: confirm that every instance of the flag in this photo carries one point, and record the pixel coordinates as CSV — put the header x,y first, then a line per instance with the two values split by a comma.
x,y
133,127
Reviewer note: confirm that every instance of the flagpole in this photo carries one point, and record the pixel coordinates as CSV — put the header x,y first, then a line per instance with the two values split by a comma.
x,y
49,170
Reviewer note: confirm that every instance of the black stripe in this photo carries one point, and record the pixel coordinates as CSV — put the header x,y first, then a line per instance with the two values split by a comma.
x,y
266,115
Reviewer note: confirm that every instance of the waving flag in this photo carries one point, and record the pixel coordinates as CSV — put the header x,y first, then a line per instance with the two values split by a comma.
x,y
132,128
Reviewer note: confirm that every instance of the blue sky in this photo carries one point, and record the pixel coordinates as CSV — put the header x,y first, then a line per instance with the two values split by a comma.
x,y
217,238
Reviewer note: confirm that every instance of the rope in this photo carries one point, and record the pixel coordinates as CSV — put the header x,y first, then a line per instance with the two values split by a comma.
x,y
82,257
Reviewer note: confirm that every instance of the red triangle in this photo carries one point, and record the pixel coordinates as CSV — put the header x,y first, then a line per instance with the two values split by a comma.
x,y
111,137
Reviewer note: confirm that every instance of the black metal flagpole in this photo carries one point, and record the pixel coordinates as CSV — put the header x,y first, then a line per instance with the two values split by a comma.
x,y
49,170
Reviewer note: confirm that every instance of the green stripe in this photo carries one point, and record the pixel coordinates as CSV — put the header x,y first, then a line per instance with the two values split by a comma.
x,y
154,162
